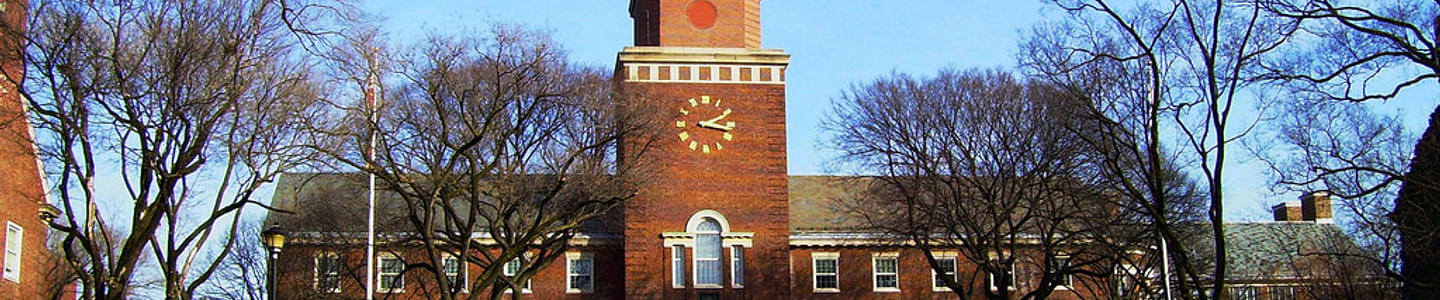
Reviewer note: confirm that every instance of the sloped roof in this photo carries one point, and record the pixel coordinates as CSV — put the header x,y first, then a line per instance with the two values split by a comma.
x,y
817,203
1267,250
330,202
337,203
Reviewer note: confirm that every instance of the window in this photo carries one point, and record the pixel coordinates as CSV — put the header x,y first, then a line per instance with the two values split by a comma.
x,y
390,278
14,239
737,266
827,271
1123,285
707,254
1005,277
455,272
947,269
1244,293
580,271
1058,265
327,272
512,267
887,271
678,266
1282,293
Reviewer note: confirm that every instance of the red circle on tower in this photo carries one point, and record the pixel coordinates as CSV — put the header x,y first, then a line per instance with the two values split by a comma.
x,y
701,13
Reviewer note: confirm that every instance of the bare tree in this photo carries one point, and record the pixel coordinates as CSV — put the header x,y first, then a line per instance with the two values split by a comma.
x,y
189,107
1351,152
242,273
974,162
500,149
1359,53
1186,58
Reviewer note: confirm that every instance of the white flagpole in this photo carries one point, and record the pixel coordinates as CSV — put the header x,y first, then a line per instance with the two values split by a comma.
x,y
372,100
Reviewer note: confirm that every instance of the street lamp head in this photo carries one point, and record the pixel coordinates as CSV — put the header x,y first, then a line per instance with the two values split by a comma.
x,y
274,237
48,213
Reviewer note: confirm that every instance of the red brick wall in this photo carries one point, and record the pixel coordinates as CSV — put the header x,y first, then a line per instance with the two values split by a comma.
x,y
857,277
746,182
667,23
297,263
22,191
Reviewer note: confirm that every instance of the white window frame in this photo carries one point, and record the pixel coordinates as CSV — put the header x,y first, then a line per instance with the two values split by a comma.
x,y
677,267
570,259
462,271
316,283
737,266
815,274
718,259
990,277
940,257
380,273
14,247
1067,281
875,272
1237,291
1275,292
1123,282
508,272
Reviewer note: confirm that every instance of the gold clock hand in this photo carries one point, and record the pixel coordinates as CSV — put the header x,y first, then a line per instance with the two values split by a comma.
x,y
722,116
713,125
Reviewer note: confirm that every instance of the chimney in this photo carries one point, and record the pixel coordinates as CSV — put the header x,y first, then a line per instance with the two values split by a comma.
x,y
1288,211
1315,206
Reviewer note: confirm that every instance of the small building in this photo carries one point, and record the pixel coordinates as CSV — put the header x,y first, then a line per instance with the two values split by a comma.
x,y
1300,254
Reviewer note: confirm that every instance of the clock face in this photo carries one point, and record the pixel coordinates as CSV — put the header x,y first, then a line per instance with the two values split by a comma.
x,y
702,124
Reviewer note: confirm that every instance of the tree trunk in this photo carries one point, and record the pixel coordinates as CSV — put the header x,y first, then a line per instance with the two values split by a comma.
x,y
1415,213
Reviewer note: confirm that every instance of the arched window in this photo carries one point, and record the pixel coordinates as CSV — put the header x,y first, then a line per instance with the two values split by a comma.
x,y
707,252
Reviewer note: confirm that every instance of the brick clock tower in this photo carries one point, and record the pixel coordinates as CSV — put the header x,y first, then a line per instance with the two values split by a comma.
x,y
714,223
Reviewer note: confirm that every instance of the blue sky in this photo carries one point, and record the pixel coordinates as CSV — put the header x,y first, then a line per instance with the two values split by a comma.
x,y
833,45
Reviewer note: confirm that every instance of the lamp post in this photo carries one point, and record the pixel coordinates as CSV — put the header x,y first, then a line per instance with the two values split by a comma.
x,y
274,239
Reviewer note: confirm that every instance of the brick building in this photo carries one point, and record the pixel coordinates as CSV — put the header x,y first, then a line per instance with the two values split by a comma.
x,y
26,259
722,221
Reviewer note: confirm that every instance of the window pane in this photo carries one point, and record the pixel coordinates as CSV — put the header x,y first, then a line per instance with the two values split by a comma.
x,y
886,281
886,272
678,267
825,266
390,268
580,266
580,282
1282,293
14,240
947,265
512,267
707,246
707,272
452,266
327,273
885,265
581,273
708,225
947,269
1244,293
391,265
707,258
737,267
826,282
